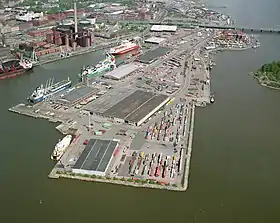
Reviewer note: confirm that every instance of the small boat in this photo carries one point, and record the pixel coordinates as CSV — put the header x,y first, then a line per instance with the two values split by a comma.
x,y
212,99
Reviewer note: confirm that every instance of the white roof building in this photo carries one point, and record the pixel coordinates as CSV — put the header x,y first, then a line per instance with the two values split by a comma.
x,y
163,28
155,40
121,72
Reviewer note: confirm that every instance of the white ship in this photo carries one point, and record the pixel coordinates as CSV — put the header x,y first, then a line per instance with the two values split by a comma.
x,y
61,147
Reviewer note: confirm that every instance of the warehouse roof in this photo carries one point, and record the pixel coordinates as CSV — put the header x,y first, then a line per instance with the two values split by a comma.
x,y
96,156
156,40
79,93
121,71
152,55
148,107
162,28
129,104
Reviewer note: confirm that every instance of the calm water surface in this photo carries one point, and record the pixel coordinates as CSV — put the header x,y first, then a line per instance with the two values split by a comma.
x,y
235,162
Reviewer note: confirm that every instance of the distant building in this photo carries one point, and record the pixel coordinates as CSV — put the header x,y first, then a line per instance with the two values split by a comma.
x,y
163,28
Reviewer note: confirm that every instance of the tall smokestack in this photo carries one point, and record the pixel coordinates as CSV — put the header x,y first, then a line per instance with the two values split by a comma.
x,y
75,19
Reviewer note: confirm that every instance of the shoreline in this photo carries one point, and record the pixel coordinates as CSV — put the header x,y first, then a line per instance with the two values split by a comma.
x,y
263,83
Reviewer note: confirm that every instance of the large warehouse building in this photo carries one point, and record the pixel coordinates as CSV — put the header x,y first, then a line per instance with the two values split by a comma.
x,y
163,28
122,71
152,55
96,157
136,108
155,40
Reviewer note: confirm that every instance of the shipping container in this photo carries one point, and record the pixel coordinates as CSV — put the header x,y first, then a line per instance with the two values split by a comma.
x,y
116,152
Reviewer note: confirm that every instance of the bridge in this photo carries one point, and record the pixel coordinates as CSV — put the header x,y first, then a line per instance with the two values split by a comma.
x,y
193,25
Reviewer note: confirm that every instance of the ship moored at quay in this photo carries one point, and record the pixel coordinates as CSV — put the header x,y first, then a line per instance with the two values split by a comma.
x,y
108,64
14,67
42,93
61,147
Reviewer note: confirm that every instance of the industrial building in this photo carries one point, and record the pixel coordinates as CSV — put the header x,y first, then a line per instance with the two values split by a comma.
x,y
121,72
155,40
96,157
163,28
65,35
136,108
152,55
77,95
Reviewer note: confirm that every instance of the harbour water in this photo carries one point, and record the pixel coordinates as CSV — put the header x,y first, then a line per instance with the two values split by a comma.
x,y
235,162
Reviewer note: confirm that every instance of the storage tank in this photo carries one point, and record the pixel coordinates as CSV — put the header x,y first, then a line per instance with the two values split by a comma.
x,y
88,43
49,38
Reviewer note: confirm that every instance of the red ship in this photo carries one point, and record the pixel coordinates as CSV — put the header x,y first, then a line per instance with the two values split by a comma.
x,y
126,46
14,67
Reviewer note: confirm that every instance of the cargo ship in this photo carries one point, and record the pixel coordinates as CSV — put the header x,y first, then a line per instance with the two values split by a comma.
x,y
14,67
61,147
108,64
41,93
126,46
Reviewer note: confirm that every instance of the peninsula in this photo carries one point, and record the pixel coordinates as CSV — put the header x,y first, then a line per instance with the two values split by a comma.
x,y
269,75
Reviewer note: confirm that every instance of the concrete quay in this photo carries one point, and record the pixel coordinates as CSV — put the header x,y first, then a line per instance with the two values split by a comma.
x,y
155,153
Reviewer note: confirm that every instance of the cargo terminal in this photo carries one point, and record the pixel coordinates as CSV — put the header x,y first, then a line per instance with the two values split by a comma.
x,y
135,132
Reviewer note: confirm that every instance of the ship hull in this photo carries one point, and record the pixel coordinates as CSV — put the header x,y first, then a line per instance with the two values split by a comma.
x,y
125,50
97,73
57,154
14,74
94,74
40,99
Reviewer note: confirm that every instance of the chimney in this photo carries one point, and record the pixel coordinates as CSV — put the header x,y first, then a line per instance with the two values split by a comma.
x,y
75,19
67,41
